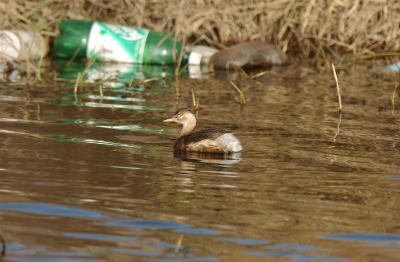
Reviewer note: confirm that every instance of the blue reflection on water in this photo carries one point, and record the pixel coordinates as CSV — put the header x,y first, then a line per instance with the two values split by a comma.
x,y
55,259
102,237
369,237
298,247
243,241
146,224
271,253
295,252
159,224
20,252
167,256
141,252
184,259
49,210
198,231
317,258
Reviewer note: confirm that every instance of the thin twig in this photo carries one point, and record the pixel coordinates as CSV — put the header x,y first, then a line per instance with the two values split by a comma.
x,y
241,95
241,70
101,90
39,69
260,74
77,82
394,93
394,97
195,100
177,88
337,89
148,80
337,127
178,246
133,81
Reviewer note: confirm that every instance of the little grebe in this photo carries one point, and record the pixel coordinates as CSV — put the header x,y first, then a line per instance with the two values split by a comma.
x,y
209,140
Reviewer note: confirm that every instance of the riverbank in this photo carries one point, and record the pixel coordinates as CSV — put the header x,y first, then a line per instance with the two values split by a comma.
x,y
310,29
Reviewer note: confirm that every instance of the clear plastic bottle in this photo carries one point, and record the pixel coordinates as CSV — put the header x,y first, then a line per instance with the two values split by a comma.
x,y
22,45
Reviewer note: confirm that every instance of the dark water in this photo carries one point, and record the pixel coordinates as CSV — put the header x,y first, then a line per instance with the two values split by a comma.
x,y
92,177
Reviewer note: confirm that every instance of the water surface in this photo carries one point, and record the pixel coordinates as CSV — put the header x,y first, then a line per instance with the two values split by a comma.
x,y
90,176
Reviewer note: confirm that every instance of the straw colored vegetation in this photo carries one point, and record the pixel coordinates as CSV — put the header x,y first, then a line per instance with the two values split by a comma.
x,y
312,28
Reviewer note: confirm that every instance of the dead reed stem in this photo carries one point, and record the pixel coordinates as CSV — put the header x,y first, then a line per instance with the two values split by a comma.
x,y
260,74
337,127
337,89
178,246
101,85
195,100
242,98
78,82
394,98
396,87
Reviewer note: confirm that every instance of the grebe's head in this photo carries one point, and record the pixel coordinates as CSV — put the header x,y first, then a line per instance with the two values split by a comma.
x,y
181,116
184,117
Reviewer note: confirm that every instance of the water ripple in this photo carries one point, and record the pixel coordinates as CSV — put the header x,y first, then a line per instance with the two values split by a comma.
x,y
50,210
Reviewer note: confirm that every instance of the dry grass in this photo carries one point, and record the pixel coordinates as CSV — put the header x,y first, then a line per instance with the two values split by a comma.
x,y
314,28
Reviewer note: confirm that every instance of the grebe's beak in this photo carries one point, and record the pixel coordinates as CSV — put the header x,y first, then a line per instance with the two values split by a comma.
x,y
170,120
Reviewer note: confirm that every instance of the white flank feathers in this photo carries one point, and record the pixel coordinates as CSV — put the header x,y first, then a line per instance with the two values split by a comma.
x,y
229,142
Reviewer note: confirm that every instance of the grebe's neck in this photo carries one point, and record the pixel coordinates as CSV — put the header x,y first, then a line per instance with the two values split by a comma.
x,y
189,125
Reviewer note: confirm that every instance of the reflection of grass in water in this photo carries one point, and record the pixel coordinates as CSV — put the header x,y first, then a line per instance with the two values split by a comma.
x,y
111,98
123,90
81,82
103,124
103,105
127,167
91,141
131,128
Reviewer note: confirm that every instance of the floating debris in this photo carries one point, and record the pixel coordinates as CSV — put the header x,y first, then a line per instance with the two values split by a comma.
x,y
22,45
248,55
9,72
393,67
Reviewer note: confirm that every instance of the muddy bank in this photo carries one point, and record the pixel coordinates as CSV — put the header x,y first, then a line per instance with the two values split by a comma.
x,y
316,29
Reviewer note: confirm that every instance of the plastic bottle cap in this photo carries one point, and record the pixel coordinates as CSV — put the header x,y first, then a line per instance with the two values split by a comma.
x,y
200,54
194,58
